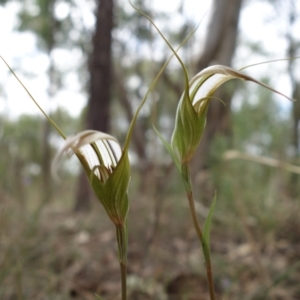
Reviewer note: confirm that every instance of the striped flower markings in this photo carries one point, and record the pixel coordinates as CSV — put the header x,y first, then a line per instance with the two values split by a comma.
x,y
193,105
106,166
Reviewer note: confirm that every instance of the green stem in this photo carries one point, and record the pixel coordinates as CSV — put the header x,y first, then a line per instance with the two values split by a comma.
x,y
121,233
123,268
205,250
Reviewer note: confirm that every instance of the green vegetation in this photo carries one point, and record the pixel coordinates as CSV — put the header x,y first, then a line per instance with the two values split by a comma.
x,y
250,237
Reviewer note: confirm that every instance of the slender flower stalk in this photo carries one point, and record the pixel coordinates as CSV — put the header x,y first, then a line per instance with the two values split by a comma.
x,y
204,242
204,245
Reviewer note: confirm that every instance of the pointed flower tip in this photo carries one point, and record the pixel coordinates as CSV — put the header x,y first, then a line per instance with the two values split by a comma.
x,y
210,78
192,108
98,152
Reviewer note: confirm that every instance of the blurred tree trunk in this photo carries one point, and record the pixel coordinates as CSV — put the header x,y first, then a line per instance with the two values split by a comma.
x,y
46,131
100,83
219,48
292,50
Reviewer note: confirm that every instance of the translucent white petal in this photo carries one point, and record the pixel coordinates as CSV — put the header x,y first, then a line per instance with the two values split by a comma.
x,y
91,158
97,148
90,136
218,75
209,85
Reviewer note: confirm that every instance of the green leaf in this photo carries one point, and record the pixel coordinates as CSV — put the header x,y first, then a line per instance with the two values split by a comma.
x,y
206,230
98,297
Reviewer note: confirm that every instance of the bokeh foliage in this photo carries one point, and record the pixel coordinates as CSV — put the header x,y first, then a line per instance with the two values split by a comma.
x,y
258,206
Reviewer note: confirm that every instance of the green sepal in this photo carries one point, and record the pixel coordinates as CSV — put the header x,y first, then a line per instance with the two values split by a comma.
x,y
206,229
113,193
189,127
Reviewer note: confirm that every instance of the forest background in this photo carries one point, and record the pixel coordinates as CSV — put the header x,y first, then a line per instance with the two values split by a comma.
x,y
89,63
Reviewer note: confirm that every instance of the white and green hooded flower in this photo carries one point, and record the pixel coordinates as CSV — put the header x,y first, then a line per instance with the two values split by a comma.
x,y
192,109
106,166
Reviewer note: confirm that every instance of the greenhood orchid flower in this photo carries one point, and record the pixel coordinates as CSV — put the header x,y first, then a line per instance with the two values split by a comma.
x,y
107,168
192,109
